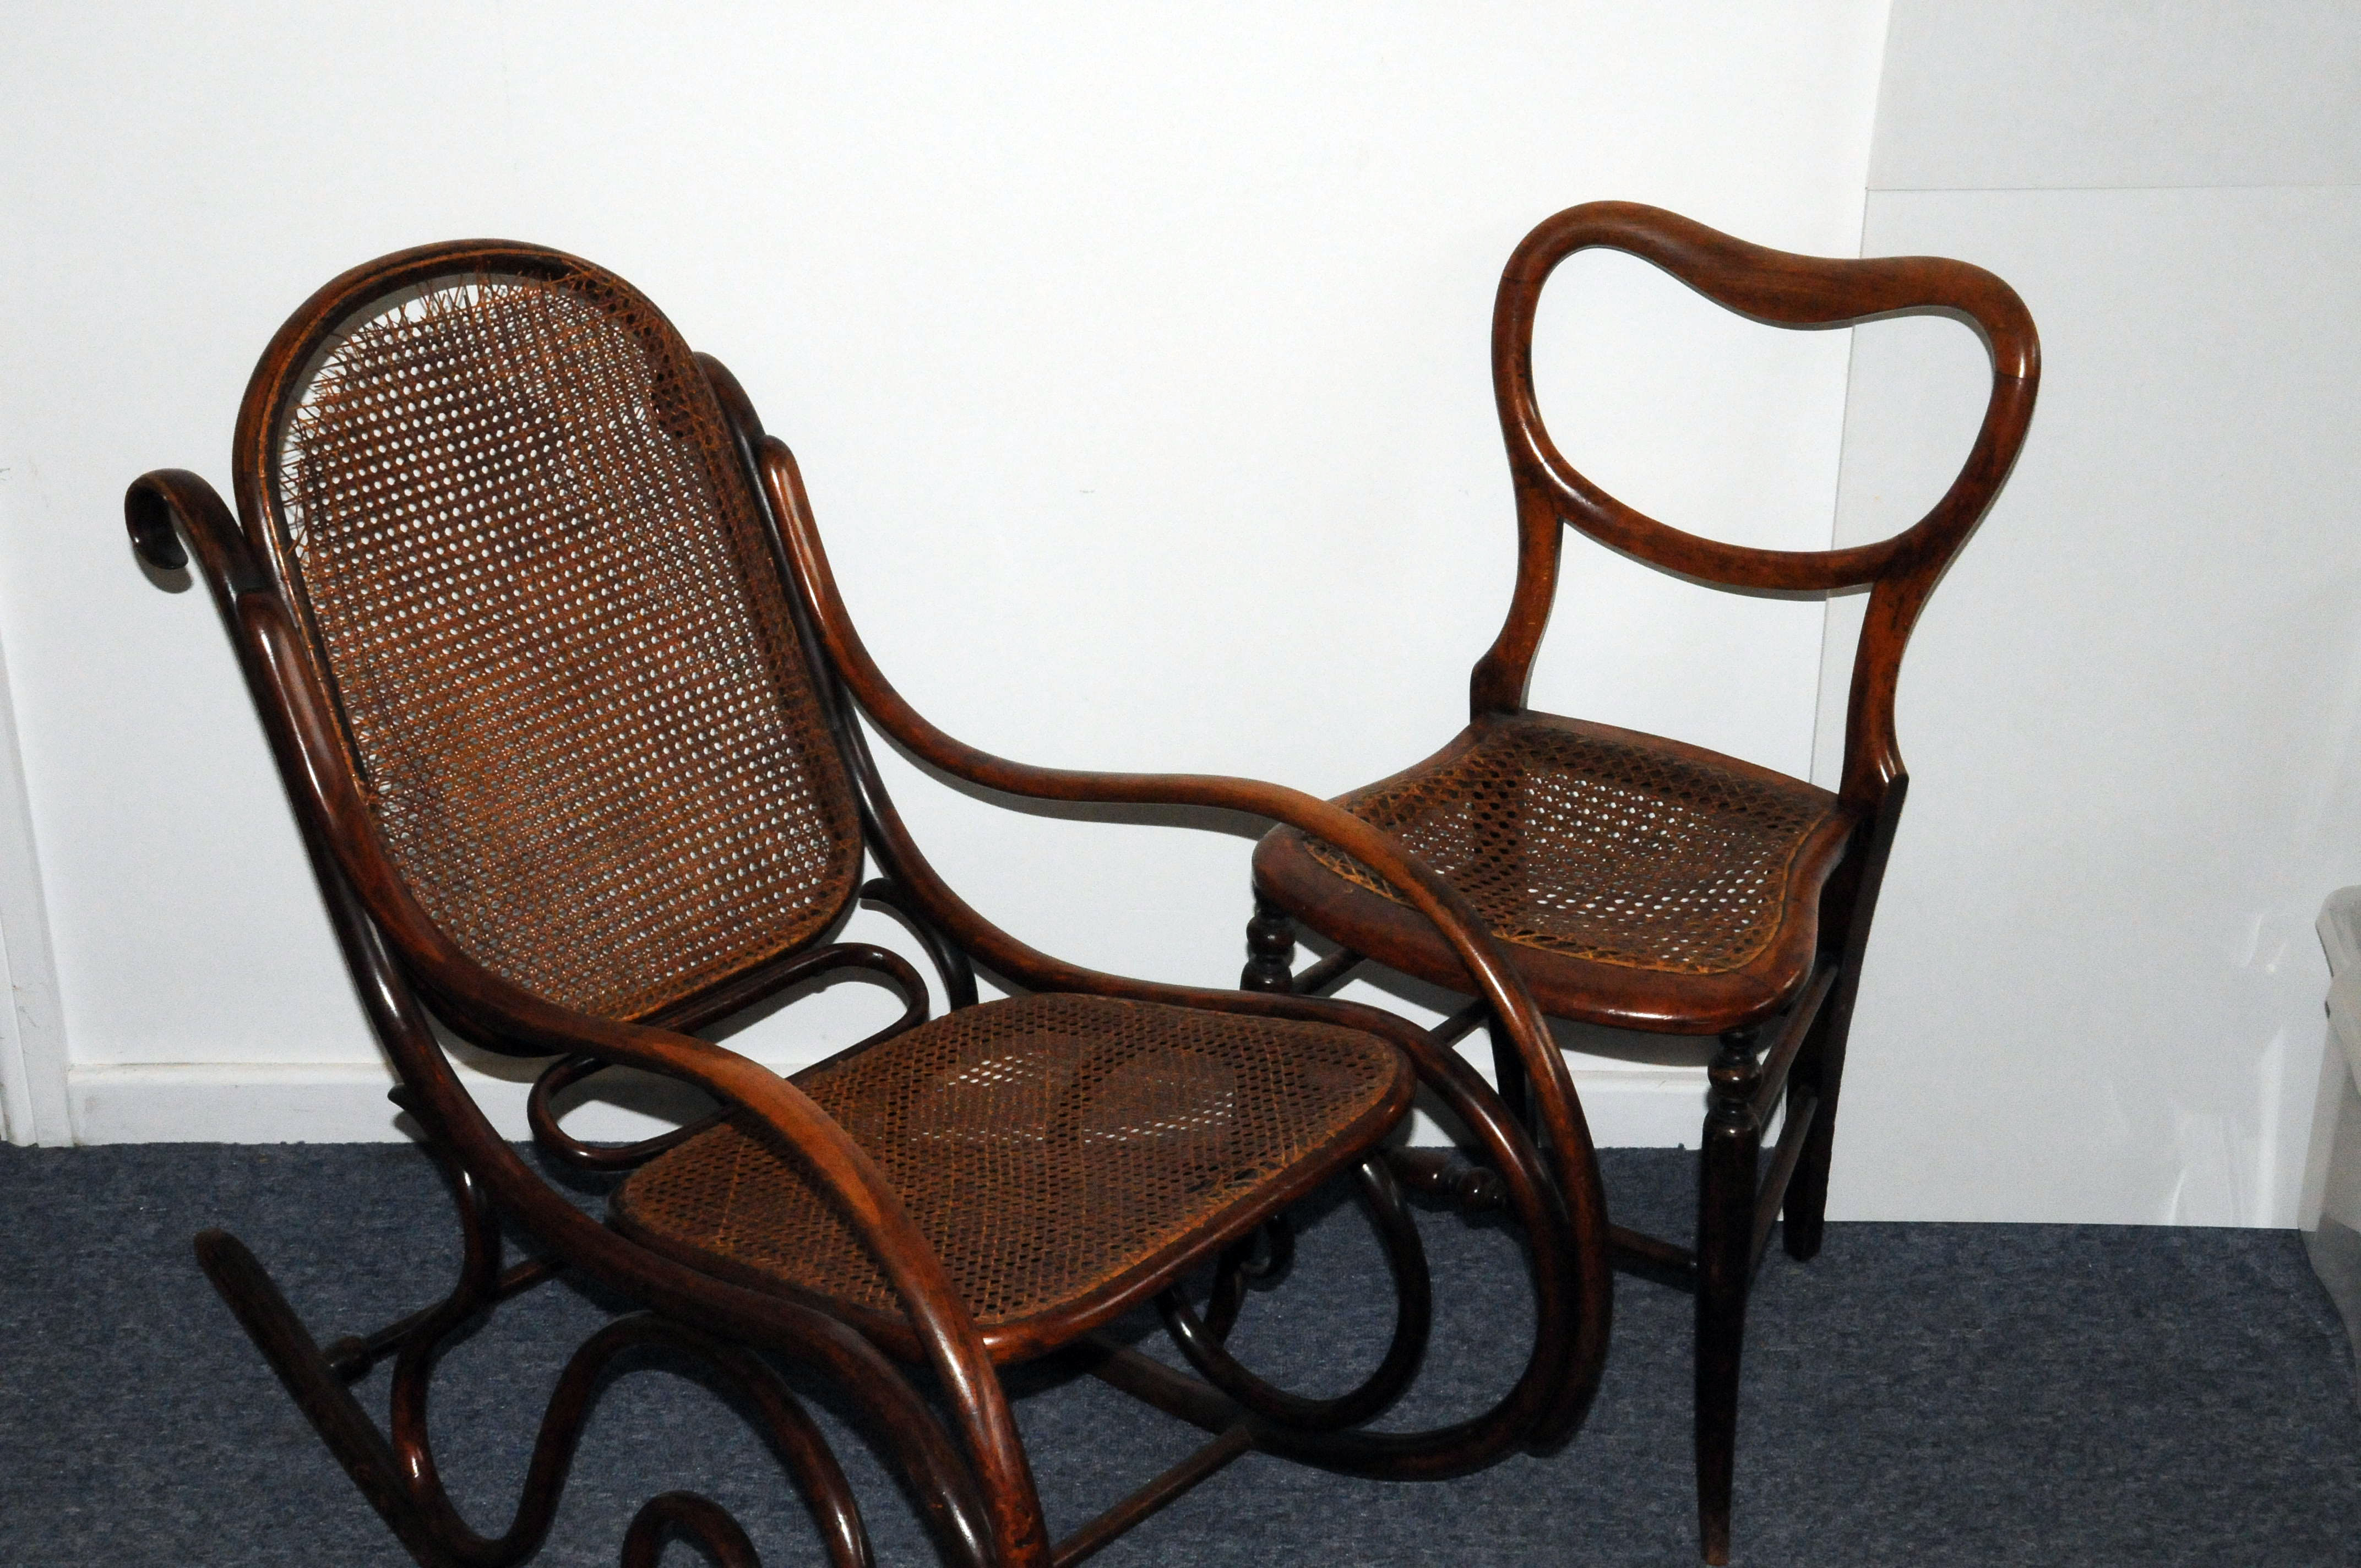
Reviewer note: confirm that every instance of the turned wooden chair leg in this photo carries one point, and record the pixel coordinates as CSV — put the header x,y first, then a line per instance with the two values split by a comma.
x,y
1732,1144
1270,949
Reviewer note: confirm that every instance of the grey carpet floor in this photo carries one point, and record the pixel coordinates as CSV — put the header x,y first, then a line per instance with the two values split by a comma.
x,y
1919,1394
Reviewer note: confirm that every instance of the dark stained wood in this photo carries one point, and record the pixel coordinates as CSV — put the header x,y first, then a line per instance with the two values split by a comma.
x,y
1798,991
1803,1108
959,975
1270,949
1820,1067
1786,291
1636,1252
1441,1173
1325,976
351,1358
1796,1028
685,1516
1733,1140
1166,1489
1405,1256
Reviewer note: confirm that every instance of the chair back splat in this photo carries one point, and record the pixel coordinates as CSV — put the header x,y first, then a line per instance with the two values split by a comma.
x,y
1782,290
511,525
564,701
1640,882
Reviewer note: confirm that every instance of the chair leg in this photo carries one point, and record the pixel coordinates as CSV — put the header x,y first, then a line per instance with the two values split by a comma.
x,y
1270,949
1804,1211
1849,909
1511,1080
1726,1193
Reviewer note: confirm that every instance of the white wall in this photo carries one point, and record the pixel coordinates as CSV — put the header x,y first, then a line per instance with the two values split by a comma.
x,y
2133,713
1137,358
33,1064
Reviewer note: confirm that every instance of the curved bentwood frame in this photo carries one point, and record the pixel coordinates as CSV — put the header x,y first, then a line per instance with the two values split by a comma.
x,y
1787,1041
959,1454
1779,290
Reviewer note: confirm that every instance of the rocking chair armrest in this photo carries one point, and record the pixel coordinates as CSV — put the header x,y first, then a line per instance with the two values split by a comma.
x,y
164,507
1493,977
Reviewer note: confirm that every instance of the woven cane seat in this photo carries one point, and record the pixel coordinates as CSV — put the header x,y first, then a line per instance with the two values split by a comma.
x,y
1061,1155
1641,882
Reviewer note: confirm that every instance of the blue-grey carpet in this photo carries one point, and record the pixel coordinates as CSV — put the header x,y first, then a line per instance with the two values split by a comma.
x,y
1920,1394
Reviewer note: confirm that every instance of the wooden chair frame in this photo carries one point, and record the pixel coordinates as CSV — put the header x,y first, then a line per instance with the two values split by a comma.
x,y
969,1470
1779,1038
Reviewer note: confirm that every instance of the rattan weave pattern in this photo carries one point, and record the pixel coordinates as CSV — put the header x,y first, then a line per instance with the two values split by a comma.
x,y
1043,1146
567,673
1597,847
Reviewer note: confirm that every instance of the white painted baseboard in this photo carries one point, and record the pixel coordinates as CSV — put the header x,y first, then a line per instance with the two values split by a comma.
x,y
1655,1108
1628,1108
278,1103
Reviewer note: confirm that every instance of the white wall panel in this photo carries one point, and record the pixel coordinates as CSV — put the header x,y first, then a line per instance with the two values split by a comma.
x,y
2093,993
2132,716
33,1058
1137,358
2031,94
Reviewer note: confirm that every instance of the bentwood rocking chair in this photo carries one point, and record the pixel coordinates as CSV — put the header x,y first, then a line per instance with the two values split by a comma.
x,y
560,689
1642,883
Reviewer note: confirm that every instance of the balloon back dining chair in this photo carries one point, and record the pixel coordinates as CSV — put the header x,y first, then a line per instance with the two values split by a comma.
x,y
1640,883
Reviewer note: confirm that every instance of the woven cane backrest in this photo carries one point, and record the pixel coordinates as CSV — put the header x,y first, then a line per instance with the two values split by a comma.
x,y
508,511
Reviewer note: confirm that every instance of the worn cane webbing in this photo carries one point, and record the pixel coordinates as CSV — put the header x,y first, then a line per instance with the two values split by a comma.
x,y
571,684
1043,1146
1600,849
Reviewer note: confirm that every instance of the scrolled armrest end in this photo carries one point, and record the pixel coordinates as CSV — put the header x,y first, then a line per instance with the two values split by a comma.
x,y
148,516
170,513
